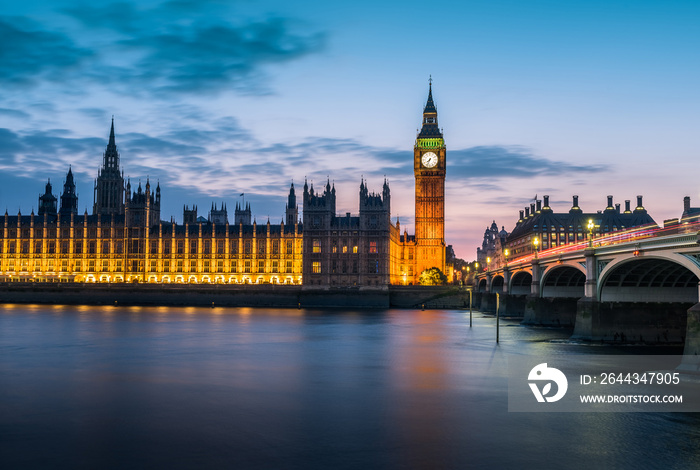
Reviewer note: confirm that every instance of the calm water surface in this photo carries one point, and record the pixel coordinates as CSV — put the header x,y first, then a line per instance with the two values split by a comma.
x,y
105,387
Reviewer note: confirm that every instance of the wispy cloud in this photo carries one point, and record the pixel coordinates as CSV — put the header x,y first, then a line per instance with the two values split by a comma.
x,y
183,54
510,161
29,53
221,157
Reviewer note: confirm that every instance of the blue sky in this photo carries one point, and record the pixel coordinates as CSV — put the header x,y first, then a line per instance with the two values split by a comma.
x,y
216,98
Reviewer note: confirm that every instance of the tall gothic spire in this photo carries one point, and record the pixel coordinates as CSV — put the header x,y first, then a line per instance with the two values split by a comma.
x,y
430,105
109,185
111,135
111,156
430,127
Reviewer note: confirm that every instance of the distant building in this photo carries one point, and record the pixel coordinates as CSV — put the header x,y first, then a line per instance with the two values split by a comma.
x,y
493,244
690,214
554,229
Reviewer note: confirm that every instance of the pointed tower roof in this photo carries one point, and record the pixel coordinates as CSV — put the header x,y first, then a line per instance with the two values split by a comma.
x,y
430,105
430,127
111,155
112,143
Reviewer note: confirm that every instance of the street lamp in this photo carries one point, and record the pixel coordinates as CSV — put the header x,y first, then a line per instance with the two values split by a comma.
x,y
505,253
536,242
488,261
590,232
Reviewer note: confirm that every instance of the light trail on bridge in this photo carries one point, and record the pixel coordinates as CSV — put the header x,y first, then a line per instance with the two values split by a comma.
x,y
619,237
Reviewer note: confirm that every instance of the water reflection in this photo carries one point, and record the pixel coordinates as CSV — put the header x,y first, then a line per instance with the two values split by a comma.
x,y
242,388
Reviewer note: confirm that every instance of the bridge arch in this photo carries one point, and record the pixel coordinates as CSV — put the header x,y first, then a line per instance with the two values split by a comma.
x,y
520,283
672,278
564,280
482,285
497,284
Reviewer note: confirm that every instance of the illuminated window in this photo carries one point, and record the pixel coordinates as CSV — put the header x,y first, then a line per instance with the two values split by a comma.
x,y
193,247
247,247
316,267
289,247
373,247
247,267
316,245
354,249
275,247
275,266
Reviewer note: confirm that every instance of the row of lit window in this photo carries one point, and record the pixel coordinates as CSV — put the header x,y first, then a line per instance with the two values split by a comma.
x,y
136,246
316,246
178,266
372,268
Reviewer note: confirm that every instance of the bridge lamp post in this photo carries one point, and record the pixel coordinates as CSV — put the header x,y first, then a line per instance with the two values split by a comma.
x,y
505,254
536,242
591,225
488,263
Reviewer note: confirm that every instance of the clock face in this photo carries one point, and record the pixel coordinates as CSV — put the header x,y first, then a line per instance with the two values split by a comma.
x,y
429,160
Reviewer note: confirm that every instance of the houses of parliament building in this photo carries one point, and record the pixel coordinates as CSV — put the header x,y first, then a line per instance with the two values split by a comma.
x,y
125,240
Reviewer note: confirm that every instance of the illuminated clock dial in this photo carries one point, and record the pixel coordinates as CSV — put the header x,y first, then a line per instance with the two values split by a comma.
x,y
429,160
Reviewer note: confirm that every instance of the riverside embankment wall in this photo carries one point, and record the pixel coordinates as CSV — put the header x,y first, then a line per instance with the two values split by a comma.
x,y
283,296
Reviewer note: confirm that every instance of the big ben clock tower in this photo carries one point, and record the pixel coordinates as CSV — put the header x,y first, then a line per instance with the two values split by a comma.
x,y
429,167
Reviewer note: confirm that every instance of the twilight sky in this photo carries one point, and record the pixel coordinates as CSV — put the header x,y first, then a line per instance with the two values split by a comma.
x,y
217,98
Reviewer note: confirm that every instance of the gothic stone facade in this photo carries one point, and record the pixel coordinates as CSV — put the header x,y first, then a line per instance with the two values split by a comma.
x,y
125,240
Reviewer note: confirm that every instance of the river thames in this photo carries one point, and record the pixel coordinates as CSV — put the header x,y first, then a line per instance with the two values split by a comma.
x,y
166,387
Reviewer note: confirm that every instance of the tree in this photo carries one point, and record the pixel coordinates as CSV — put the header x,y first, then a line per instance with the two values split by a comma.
x,y
432,277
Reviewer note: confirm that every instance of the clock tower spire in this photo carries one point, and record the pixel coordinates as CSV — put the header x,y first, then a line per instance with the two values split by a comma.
x,y
429,168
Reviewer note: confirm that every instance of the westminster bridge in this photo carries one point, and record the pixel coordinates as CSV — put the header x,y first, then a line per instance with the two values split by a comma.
x,y
638,285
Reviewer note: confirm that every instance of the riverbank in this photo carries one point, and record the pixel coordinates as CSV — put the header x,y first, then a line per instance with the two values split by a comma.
x,y
265,295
